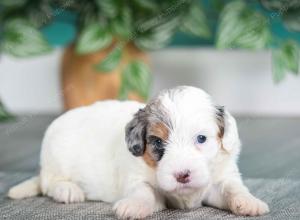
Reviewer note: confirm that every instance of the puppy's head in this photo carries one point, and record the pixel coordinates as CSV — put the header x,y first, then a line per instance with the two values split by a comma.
x,y
179,133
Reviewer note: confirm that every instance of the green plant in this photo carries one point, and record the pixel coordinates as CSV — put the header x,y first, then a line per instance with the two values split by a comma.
x,y
150,24
288,10
19,23
147,24
243,25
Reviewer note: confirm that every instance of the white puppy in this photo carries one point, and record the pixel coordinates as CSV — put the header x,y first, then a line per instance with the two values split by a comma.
x,y
179,151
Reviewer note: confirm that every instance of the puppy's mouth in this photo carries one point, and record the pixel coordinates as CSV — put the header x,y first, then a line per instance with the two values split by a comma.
x,y
184,189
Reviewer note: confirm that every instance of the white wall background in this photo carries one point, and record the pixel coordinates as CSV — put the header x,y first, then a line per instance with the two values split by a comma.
x,y
240,80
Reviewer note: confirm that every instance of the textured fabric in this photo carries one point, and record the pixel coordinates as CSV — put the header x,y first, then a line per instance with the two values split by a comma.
x,y
282,195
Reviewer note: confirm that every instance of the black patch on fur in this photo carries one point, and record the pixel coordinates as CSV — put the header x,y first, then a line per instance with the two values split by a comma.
x,y
135,133
136,129
220,119
157,150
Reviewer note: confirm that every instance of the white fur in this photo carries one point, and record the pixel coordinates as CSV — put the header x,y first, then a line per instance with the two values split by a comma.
x,y
84,156
28,188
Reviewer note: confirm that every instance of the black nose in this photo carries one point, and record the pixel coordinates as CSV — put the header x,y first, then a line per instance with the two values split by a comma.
x,y
183,177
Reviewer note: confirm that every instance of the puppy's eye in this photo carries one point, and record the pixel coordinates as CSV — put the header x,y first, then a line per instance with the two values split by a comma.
x,y
201,139
157,142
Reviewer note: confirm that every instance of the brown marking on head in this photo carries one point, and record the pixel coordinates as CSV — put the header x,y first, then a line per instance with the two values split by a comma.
x,y
161,131
220,135
148,157
221,124
153,120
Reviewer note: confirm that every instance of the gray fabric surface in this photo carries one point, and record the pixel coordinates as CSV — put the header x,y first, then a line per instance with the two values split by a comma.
x,y
282,195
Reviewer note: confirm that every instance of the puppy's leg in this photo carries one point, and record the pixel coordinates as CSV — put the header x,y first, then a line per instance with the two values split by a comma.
x,y
232,194
140,202
240,201
66,192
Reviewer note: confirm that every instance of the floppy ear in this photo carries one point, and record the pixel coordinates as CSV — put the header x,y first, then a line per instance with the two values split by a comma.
x,y
135,133
228,131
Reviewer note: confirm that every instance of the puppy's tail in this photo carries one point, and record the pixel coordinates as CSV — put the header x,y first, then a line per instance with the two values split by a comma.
x,y
28,188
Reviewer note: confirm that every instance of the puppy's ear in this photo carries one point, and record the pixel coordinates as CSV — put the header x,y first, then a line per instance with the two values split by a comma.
x,y
135,133
228,131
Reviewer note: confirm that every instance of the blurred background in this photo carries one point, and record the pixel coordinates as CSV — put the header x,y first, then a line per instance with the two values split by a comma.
x,y
61,54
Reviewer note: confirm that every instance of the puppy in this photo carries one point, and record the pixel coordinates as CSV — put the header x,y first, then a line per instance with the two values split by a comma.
x,y
180,151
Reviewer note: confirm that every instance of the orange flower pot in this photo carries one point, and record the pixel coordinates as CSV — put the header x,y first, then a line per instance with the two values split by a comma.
x,y
83,85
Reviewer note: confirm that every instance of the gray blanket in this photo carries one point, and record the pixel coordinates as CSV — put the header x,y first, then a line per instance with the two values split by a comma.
x,y
282,195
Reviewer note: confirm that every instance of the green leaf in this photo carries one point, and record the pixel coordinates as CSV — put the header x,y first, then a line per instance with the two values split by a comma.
x,y
42,14
242,27
273,4
136,77
92,38
21,39
123,93
108,7
122,25
291,53
111,61
195,22
155,34
280,5
14,3
292,20
284,59
4,115
146,4
278,66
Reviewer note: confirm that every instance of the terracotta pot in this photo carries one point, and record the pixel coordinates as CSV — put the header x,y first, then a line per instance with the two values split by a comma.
x,y
82,84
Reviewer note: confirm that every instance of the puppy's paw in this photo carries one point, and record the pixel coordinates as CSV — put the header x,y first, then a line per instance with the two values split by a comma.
x,y
246,204
67,192
133,208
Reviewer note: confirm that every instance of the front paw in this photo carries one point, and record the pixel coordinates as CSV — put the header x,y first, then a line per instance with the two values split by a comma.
x,y
133,208
246,204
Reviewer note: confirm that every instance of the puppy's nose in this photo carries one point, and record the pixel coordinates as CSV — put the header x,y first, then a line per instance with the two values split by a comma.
x,y
183,177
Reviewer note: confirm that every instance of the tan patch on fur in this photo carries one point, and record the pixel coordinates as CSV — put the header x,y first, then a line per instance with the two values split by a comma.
x,y
160,130
220,140
148,157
